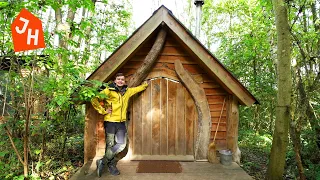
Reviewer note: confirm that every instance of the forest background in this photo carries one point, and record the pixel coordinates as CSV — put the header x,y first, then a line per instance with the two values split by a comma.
x,y
41,132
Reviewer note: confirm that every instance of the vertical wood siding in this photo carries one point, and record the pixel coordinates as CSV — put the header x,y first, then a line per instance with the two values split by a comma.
x,y
166,120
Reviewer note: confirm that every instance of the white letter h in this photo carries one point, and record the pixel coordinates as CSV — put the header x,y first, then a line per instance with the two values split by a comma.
x,y
35,37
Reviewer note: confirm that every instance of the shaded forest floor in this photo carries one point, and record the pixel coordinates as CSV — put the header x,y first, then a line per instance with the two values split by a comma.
x,y
254,162
255,150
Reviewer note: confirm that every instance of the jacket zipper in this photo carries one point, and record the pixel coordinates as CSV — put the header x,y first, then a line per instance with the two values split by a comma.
x,y
120,99
111,110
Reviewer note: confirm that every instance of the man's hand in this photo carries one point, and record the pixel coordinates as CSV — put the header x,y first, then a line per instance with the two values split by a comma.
x,y
109,110
147,81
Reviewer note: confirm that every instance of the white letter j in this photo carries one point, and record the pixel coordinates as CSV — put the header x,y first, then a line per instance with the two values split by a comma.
x,y
26,22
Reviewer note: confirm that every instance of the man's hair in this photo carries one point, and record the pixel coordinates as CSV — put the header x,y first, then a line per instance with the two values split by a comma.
x,y
118,74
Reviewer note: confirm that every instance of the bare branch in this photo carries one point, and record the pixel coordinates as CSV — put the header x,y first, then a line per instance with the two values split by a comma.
x,y
315,83
302,52
58,15
297,16
13,145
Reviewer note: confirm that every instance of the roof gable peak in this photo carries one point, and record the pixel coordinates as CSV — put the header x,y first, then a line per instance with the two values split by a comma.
x,y
164,16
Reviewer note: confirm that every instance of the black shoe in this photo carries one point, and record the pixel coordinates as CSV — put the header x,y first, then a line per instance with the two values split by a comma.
x,y
113,169
100,165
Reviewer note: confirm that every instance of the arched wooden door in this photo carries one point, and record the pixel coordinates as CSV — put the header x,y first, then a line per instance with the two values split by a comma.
x,y
163,122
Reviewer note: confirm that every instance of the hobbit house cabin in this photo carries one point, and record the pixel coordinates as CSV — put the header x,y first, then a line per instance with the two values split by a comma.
x,y
191,94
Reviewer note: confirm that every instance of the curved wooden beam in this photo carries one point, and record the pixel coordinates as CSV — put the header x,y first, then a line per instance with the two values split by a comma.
x,y
145,69
156,73
201,102
150,59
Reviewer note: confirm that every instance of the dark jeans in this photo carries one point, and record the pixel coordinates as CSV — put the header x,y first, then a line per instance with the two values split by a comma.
x,y
116,139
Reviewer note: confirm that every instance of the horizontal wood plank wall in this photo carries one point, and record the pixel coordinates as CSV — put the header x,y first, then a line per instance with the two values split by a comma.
x,y
165,67
215,95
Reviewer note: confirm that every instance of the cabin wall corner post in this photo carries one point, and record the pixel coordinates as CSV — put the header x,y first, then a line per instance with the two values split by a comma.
x,y
90,142
232,127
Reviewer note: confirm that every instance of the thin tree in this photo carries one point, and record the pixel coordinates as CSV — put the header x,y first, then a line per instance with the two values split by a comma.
x,y
280,136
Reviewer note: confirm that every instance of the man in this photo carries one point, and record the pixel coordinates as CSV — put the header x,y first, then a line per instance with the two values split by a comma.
x,y
115,114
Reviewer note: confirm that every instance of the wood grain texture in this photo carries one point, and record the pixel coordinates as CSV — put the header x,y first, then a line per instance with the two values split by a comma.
x,y
150,59
232,126
164,117
191,115
167,51
90,133
137,125
209,85
146,122
202,105
172,93
155,88
101,143
222,126
180,121
173,114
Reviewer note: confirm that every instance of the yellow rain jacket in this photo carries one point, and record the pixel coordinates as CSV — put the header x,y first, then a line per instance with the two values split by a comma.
x,y
117,100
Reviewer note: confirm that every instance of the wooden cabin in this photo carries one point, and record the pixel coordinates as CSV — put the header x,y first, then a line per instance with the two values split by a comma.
x,y
190,93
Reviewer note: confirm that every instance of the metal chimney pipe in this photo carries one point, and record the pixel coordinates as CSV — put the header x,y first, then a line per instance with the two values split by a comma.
x,y
198,4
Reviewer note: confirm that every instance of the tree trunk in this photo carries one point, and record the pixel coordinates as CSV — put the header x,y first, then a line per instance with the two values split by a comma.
x,y
311,80
12,143
295,138
314,122
150,59
295,125
280,136
26,143
307,109
316,25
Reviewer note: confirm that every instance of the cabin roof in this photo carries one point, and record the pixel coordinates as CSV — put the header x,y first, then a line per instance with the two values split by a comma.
x,y
164,16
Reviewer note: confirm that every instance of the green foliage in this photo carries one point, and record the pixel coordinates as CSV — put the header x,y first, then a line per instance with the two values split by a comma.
x,y
249,138
47,82
245,32
9,164
3,4
91,89
246,41
313,170
255,149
